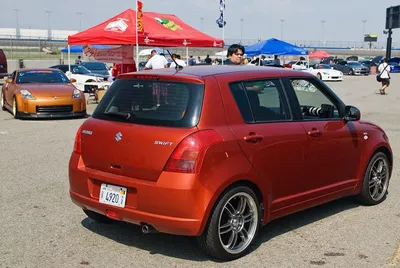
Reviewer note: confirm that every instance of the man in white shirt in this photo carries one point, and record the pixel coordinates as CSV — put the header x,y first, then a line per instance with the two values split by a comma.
x,y
384,70
156,61
178,60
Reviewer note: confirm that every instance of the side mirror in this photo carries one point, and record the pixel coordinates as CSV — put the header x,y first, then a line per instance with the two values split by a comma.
x,y
9,80
72,80
351,113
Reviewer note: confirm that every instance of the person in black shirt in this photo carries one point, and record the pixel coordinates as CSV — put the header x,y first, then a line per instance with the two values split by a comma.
x,y
235,54
208,60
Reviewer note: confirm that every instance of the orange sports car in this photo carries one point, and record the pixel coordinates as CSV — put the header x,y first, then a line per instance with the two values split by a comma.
x,y
40,93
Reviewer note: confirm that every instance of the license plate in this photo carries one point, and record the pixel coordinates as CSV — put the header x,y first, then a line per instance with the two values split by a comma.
x,y
112,195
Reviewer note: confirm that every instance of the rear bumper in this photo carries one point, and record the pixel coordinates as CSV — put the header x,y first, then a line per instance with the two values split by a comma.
x,y
175,203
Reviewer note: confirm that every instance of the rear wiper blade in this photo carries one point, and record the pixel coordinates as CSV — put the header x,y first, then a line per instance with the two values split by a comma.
x,y
122,115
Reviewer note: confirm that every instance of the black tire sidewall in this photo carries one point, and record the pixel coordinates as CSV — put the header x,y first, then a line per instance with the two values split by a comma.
x,y
211,231
365,196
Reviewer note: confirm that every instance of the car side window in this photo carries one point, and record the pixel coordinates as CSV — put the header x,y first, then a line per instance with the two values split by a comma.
x,y
314,104
261,101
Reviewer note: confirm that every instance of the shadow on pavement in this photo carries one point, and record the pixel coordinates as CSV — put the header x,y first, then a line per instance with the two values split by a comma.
x,y
186,247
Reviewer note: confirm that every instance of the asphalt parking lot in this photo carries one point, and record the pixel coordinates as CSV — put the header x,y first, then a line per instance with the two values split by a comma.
x,y
41,227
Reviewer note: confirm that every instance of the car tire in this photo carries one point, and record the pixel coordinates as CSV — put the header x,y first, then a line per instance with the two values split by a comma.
x,y
319,76
233,224
15,108
376,181
2,101
98,217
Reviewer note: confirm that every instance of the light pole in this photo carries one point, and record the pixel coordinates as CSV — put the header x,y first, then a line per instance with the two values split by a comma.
x,y
48,24
201,21
282,22
363,22
241,30
323,24
17,31
80,20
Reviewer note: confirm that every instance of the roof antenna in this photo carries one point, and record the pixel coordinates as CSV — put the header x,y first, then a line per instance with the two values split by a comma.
x,y
177,66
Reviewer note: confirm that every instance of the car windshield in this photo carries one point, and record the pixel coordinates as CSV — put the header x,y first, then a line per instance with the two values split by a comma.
x,y
150,102
354,64
324,66
78,69
43,76
94,65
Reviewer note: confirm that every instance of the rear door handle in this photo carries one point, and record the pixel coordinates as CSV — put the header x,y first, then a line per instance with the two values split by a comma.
x,y
314,133
253,138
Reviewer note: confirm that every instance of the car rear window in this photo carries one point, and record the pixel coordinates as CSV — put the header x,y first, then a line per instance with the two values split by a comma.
x,y
150,102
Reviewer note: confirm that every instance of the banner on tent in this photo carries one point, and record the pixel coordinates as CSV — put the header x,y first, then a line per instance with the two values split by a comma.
x,y
123,54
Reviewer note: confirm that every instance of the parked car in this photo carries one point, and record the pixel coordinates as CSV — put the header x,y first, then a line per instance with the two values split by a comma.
x,y
394,65
226,150
40,93
351,68
3,64
297,65
96,67
85,80
326,72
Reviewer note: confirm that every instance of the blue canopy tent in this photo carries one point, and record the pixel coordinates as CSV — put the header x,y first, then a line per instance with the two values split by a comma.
x,y
275,47
79,49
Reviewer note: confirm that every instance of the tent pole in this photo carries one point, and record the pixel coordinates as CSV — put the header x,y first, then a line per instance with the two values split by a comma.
x,y
69,58
137,38
187,56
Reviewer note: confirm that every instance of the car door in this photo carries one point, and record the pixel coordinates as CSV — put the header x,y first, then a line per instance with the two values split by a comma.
x,y
334,146
258,114
10,88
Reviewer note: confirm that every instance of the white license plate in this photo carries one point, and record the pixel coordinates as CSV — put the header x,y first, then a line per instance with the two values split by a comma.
x,y
112,195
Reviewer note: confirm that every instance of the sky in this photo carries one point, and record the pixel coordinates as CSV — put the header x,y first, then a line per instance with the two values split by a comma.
x,y
261,18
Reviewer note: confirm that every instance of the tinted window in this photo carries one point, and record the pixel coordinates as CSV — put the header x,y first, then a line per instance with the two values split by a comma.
x,y
42,77
314,104
149,102
260,101
354,64
94,65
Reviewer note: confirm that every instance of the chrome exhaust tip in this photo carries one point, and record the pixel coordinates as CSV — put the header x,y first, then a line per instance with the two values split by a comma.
x,y
145,229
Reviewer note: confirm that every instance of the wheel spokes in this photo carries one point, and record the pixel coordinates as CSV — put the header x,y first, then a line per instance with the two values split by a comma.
x,y
232,240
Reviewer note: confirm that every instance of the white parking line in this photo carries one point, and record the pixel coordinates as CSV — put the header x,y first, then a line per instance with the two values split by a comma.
x,y
395,262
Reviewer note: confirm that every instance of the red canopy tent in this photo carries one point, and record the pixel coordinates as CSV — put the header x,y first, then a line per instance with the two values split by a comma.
x,y
320,54
163,30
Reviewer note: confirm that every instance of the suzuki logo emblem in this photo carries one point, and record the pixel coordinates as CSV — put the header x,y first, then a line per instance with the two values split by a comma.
x,y
118,136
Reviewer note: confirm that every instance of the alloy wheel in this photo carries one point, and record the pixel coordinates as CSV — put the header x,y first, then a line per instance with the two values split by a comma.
x,y
238,223
379,179
15,107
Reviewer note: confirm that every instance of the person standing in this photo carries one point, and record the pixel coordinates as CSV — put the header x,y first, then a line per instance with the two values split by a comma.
x,y
78,60
156,61
384,70
235,55
208,60
178,60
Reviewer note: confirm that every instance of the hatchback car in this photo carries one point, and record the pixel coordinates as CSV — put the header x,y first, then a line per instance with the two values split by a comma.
x,y
42,93
217,152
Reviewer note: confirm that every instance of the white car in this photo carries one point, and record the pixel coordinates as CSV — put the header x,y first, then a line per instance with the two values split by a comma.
x,y
84,77
299,65
326,73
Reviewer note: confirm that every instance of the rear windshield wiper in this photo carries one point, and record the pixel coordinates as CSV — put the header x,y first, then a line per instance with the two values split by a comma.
x,y
122,115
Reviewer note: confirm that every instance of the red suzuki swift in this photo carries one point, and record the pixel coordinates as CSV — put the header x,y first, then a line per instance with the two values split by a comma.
x,y
218,151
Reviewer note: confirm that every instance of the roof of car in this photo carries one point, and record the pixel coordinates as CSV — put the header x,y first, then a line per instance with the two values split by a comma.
x,y
215,70
37,69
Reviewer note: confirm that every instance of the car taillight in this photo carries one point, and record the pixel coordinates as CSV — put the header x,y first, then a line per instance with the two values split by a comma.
x,y
189,155
78,144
